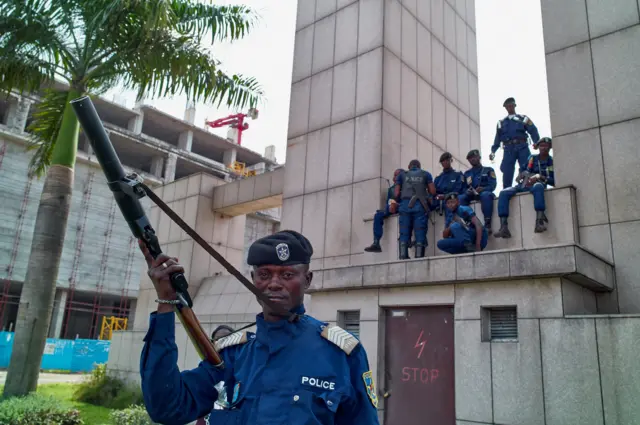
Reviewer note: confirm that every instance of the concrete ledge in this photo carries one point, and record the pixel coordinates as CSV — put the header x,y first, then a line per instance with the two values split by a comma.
x,y
249,195
569,261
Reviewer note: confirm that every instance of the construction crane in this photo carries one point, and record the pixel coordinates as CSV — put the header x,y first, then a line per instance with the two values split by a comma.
x,y
235,121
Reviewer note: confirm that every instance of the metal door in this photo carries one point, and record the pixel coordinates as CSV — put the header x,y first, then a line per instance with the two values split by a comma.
x,y
419,366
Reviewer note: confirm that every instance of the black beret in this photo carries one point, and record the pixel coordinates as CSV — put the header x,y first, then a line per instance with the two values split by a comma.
x,y
285,248
444,156
451,195
473,152
508,101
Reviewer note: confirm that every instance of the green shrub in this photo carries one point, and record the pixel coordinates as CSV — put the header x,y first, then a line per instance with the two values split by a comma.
x,y
108,391
36,409
134,415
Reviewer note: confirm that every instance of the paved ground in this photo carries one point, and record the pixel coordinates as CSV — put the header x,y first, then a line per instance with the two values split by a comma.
x,y
50,378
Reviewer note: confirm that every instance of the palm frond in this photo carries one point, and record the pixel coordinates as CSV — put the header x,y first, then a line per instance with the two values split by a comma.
x,y
169,66
224,23
44,130
23,73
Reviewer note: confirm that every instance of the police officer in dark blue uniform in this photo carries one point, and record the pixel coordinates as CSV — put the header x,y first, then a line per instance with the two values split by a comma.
x,y
390,208
481,182
267,375
512,132
413,188
462,229
449,181
537,176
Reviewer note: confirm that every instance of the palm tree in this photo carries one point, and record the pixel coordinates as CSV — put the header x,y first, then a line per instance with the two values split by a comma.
x,y
154,47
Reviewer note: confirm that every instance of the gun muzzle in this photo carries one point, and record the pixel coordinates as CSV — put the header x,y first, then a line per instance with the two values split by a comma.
x,y
112,167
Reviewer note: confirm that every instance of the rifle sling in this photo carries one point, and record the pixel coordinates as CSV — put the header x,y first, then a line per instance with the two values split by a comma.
x,y
228,266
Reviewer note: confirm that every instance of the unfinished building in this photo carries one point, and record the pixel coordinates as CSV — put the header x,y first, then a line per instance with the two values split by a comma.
x,y
100,267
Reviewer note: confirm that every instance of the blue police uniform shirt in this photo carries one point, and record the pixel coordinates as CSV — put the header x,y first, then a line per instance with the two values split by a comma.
x,y
480,176
450,181
464,212
545,168
285,373
514,127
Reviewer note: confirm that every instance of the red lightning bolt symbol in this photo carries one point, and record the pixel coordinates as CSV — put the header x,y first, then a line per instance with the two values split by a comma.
x,y
420,343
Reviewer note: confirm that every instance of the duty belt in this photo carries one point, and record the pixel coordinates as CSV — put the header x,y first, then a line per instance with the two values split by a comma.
x,y
515,142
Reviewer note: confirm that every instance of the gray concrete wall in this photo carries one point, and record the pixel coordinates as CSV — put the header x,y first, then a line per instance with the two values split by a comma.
x,y
593,72
375,84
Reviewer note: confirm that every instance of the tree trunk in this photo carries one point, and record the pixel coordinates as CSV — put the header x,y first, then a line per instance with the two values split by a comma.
x,y
38,290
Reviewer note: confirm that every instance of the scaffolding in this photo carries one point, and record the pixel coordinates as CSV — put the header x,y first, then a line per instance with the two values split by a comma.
x,y
110,324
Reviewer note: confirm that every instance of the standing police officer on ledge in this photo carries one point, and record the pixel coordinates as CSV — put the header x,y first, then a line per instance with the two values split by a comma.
x,y
413,188
449,181
267,374
481,182
512,132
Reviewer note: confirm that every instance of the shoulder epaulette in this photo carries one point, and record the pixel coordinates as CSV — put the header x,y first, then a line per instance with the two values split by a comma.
x,y
340,337
231,340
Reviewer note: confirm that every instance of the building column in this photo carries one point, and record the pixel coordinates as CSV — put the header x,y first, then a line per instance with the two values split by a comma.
x,y
270,153
190,112
185,140
229,157
57,317
18,114
170,168
135,124
157,166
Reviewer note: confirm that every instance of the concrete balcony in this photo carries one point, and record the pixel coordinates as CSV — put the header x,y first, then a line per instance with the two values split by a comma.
x,y
249,195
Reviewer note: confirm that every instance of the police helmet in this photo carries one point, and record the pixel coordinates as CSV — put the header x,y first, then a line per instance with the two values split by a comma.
x,y
415,164
472,153
543,140
509,101
445,155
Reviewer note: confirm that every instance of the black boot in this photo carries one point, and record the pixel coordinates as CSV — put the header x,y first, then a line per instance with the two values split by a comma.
x,y
504,229
487,225
403,251
375,246
541,222
419,250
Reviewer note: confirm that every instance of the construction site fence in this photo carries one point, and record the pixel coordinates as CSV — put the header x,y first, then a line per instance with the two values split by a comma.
x,y
79,355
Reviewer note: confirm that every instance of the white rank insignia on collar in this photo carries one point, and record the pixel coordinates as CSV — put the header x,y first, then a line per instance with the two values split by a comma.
x,y
282,249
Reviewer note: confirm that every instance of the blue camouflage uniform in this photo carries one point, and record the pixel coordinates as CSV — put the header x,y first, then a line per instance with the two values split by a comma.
x,y
380,215
512,132
534,166
413,214
449,181
463,232
474,178
294,370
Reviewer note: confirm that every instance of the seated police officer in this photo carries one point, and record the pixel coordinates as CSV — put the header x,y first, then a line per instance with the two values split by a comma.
x,y
390,208
512,131
449,181
413,188
480,182
463,232
535,178
268,376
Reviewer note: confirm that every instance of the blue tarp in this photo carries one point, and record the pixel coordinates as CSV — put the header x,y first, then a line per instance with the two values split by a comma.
x,y
79,355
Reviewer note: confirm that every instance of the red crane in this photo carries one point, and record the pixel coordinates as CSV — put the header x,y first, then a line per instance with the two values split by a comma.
x,y
234,121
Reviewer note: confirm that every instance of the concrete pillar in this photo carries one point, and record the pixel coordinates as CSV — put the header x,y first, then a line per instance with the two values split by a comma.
x,y
170,168
362,75
59,304
135,123
229,157
190,112
270,153
595,122
157,166
18,113
185,140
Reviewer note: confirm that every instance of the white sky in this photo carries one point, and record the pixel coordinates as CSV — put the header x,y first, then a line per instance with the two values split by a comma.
x,y
511,63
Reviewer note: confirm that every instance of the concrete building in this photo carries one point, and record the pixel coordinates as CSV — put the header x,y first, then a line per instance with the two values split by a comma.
x,y
536,329
101,264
